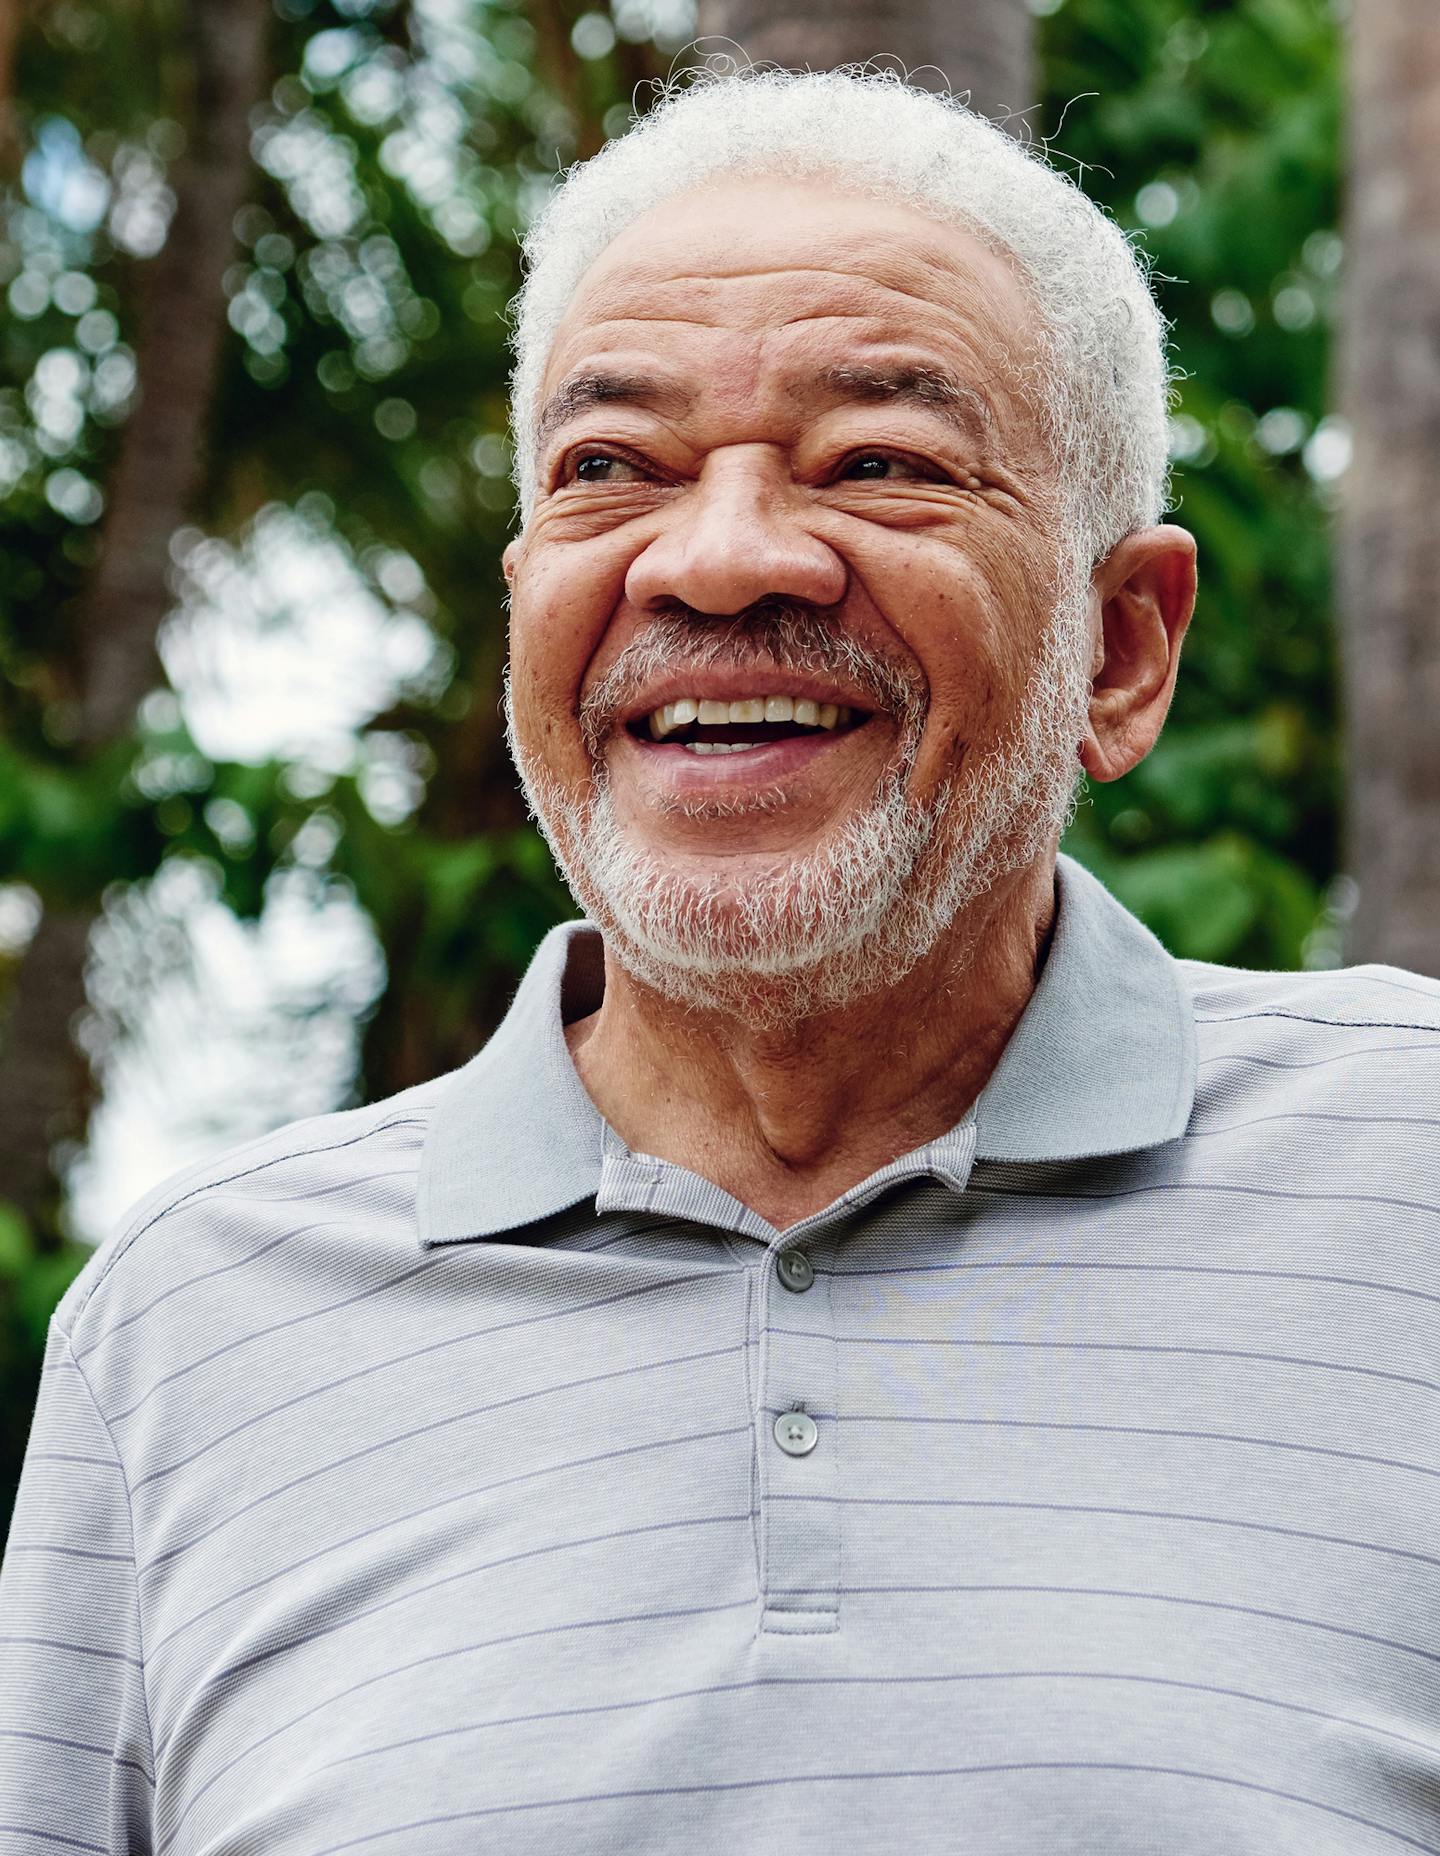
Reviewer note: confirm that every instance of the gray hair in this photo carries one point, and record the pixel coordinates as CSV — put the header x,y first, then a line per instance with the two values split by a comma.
x,y
1104,397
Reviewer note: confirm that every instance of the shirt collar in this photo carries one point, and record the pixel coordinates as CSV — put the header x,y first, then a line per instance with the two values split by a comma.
x,y
1103,1058
1101,1062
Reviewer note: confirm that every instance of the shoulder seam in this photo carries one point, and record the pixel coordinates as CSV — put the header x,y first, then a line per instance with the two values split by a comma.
x,y
130,1522
138,1230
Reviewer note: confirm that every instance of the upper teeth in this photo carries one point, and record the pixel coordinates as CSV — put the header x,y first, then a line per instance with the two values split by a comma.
x,y
673,715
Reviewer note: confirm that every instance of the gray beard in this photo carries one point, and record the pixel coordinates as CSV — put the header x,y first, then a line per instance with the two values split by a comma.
x,y
817,932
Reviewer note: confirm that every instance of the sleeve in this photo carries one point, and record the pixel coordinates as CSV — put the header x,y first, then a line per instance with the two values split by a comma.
x,y
76,1762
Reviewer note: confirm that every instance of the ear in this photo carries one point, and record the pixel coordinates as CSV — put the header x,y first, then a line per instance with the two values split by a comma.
x,y
510,559
1145,589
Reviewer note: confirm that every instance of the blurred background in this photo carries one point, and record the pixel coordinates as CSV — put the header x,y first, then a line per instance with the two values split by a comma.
x,y
261,854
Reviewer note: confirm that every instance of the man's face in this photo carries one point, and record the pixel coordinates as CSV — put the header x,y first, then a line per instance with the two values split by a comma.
x,y
786,466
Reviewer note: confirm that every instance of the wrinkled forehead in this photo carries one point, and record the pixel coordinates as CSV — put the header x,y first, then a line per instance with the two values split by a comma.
x,y
800,269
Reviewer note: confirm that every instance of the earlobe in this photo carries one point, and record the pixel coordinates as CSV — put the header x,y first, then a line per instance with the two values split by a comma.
x,y
1146,590
509,559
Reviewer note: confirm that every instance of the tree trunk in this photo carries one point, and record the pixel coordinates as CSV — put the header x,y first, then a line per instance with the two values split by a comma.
x,y
979,47
1389,570
44,1082
161,464
9,38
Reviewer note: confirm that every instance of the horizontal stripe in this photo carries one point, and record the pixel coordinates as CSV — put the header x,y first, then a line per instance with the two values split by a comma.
x,y
76,1746
1128,1430
355,1456
1309,1114
1145,1269
1156,1598
73,1649
449,1423
757,1683
67,1456
402,1359
275,1327
1315,1063
444,1656
148,1217
1096,1508
74,1553
882,1774
1141,1349
1278,1193
382,1527
50,1836
189,1282
453,1578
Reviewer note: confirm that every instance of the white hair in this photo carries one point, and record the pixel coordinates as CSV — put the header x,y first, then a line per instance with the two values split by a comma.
x,y
1104,398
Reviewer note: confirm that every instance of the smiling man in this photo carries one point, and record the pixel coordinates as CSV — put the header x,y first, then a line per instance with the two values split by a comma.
x,y
873,1355
806,659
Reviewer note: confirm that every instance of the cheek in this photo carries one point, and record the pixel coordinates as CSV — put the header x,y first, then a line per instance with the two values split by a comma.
x,y
561,604
972,616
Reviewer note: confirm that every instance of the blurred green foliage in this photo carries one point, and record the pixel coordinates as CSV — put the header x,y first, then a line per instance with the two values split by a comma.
x,y
1214,132
397,156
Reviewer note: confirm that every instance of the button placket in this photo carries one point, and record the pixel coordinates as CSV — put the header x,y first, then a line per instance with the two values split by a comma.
x,y
797,1439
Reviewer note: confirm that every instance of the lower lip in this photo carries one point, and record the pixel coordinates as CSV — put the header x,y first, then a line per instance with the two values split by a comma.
x,y
763,765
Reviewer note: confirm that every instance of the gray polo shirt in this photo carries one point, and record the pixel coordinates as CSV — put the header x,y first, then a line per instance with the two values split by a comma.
x,y
442,1476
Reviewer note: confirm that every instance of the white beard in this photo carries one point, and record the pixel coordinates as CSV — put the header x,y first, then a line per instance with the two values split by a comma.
x,y
815,932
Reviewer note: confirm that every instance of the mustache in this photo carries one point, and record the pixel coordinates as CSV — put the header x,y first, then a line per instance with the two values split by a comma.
x,y
784,635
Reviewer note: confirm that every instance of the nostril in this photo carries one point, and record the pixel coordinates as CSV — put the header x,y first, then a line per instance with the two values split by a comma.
x,y
722,566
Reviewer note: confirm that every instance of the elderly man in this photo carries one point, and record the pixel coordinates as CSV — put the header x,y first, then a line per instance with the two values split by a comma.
x,y
873,1355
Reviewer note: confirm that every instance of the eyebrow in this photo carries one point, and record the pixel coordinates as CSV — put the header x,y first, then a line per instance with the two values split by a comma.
x,y
907,383
935,389
603,388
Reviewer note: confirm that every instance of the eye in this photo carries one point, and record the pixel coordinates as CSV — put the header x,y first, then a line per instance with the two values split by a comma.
x,y
603,467
886,467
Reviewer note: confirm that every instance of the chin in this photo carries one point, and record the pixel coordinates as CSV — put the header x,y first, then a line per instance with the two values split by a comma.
x,y
791,938
716,964
786,940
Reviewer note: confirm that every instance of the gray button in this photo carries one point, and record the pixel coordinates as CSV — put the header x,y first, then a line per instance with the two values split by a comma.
x,y
795,1270
795,1433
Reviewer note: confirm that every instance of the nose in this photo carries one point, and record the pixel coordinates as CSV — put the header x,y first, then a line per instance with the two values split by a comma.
x,y
737,536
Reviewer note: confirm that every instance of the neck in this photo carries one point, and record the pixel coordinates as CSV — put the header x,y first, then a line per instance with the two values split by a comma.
x,y
787,1120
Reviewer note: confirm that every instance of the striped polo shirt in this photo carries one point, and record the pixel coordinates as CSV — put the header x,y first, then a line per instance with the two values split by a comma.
x,y
442,1476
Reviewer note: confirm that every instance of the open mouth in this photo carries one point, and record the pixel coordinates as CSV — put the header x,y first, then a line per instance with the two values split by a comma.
x,y
720,727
